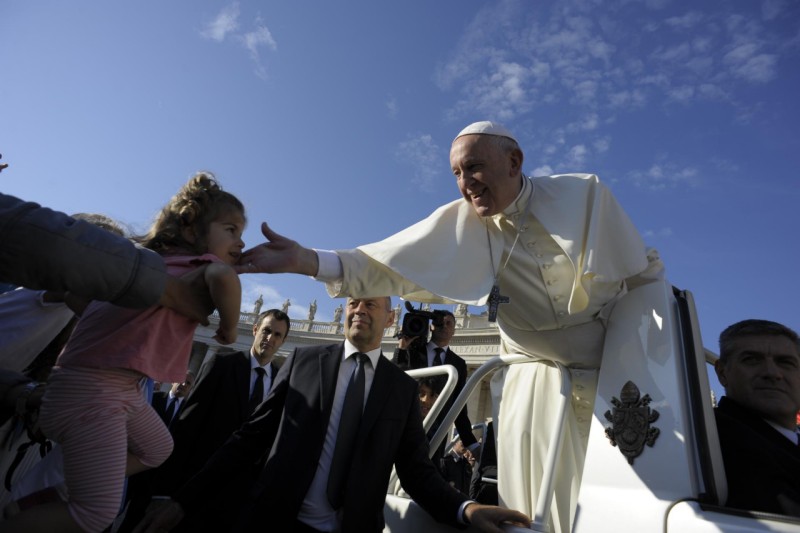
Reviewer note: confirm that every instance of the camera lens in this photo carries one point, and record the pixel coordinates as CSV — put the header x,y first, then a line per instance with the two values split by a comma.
x,y
415,326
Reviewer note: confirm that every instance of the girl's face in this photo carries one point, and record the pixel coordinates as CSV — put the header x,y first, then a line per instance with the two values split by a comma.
x,y
225,237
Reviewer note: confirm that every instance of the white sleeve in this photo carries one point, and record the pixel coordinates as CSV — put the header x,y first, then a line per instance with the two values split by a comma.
x,y
330,266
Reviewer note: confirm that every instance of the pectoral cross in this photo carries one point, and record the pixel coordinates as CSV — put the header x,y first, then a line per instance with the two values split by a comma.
x,y
495,299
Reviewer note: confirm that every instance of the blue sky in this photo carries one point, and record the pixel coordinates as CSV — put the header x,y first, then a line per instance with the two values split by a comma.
x,y
333,120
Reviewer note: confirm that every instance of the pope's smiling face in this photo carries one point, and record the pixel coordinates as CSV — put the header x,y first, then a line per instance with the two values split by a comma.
x,y
489,176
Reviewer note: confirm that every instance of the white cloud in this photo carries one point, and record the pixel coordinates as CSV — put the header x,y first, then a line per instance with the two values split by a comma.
x,y
662,233
662,176
602,145
681,94
252,289
702,44
712,92
627,99
257,38
576,157
770,9
587,123
517,57
225,22
585,90
391,107
253,41
685,22
544,170
756,68
424,157
673,53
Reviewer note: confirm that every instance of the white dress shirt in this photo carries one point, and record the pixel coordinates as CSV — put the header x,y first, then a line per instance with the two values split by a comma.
x,y
316,511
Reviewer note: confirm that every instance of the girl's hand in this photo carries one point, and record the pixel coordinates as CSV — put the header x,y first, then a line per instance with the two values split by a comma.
x,y
226,335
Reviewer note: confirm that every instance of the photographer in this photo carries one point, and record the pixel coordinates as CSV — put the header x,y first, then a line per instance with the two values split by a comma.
x,y
417,352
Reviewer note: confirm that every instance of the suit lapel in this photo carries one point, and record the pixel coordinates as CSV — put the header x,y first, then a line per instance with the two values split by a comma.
x,y
329,361
242,372
274,371
378,395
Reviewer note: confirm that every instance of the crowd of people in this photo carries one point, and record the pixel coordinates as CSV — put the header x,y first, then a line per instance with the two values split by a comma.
x,y
313,443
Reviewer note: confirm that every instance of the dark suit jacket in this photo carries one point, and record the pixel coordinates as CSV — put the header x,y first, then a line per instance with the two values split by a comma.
x,y
411,359
291,425
761,465
159,403
214,409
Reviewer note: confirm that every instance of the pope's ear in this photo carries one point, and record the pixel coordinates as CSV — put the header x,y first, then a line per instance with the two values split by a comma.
x,y
516,161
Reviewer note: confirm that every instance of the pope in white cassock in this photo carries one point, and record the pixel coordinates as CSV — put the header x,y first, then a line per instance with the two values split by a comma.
x,y
549,256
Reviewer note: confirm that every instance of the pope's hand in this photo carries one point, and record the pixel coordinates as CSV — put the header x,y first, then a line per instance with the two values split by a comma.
x,y
278,254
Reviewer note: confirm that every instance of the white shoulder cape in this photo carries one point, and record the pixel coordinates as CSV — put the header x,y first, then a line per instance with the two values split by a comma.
x,y
445,258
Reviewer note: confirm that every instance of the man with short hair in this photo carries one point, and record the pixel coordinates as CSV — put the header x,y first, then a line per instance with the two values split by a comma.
x,y
312,481
229,387
437,352
167,404
759,366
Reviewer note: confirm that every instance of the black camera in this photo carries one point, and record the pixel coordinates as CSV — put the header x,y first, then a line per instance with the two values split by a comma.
x,y
416,322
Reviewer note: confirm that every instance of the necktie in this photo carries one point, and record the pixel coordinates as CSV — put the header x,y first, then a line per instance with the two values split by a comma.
x,y
257,395
437,359
170,411
346,436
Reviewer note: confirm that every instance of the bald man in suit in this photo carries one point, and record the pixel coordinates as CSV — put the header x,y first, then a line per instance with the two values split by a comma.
x,y
301,426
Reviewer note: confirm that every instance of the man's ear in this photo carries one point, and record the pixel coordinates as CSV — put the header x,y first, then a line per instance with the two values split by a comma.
x,y
719,367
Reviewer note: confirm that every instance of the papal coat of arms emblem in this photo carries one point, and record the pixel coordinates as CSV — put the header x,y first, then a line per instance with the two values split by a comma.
x,y
631,419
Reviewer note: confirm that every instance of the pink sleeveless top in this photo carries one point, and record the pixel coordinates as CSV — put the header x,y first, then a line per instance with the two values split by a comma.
x,y
155,341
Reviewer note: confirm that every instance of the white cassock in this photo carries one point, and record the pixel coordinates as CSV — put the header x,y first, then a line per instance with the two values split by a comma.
x,y
572,249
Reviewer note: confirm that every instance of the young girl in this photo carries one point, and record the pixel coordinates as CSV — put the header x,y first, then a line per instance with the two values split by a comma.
x,y
93,406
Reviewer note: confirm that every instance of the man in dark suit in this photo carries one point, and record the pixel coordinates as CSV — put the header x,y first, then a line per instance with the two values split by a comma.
x,y
412,355
302,426
226,393
168,404
759,366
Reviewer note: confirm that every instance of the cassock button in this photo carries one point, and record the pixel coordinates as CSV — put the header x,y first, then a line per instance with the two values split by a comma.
x,y
561,313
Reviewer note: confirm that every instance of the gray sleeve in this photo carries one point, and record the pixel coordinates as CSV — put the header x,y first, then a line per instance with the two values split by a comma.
x,y
45,249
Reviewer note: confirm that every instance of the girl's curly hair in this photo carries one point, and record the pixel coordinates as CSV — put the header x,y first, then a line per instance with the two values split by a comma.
x,y
196,205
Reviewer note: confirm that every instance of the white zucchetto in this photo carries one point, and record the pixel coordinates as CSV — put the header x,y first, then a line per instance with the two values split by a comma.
x,y
486,127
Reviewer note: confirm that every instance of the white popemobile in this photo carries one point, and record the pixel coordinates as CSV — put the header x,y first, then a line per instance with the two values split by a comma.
x,y
653,460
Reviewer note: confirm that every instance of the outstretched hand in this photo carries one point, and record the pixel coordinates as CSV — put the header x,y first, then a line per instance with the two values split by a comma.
x,y
489,517
278,254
